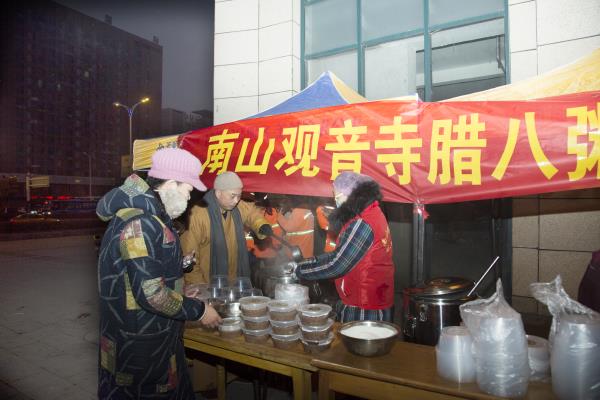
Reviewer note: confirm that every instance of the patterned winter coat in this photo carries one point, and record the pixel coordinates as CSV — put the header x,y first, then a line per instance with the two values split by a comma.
x,y
142,309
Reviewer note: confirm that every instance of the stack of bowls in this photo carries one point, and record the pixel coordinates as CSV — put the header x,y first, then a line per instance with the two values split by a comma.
x,y
256,320
284,325
315,326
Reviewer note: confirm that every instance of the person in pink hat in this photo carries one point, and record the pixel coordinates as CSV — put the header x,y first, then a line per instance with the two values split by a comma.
x,y
140,273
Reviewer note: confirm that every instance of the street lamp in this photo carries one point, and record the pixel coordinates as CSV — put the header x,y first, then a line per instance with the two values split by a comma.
x,y
89,156
130,111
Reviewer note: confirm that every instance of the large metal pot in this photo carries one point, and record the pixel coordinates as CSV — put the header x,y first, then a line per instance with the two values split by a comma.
x,y
430,307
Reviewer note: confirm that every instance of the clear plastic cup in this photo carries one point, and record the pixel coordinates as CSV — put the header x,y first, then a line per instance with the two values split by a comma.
x,y
219,281
251,292
242,283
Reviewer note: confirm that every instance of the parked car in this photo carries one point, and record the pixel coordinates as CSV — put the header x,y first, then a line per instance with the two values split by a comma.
x,y
34,219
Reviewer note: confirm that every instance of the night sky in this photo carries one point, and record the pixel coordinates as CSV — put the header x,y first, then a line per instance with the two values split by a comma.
x,y
185,29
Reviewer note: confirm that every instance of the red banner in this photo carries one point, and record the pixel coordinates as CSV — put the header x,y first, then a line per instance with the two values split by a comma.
x,y
418,152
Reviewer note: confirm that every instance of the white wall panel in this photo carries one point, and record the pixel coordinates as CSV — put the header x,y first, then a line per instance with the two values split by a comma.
x,y
522,23
236,80
296,74
296,32
236,47
275,75
275,41
556,55
523,65
236,15
273,12
296,11
560,20
228,110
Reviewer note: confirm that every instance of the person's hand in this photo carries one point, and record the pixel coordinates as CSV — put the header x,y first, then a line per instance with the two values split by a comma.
x,y
265,230
290,267
211,318
189,261
191,290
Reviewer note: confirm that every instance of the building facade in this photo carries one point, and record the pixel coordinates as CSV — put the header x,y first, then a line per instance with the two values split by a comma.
x,y
60,73
268,50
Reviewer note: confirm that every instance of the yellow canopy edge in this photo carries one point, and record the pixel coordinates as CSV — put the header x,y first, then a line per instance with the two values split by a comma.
x,y
143,150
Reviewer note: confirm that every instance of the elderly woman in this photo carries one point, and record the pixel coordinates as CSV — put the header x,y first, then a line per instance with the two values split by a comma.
x,y
361,263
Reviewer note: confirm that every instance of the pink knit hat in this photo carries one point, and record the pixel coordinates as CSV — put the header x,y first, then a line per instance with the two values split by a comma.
x,y
177,164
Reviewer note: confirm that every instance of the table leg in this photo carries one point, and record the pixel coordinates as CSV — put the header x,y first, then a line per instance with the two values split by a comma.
x,y
324,392
221,380
302,384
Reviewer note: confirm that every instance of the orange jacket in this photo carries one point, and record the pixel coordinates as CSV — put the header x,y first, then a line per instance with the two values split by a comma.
x,y
299,226
323,221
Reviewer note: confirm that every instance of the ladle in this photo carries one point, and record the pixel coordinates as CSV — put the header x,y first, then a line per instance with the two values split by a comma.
x,y
483,276
295,250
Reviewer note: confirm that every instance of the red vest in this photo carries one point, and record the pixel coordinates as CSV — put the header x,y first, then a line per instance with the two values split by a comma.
x,y
370,284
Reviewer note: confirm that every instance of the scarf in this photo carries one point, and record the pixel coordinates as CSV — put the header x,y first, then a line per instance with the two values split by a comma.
x,y
218,245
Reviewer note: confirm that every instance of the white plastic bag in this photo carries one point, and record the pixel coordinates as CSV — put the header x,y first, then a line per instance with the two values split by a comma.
x,y
574,342
499,345
554,296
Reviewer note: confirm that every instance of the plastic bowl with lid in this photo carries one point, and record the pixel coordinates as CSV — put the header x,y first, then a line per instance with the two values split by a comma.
x,y
256,336
230,327
256,323
314,314
254,306
369,338
285,342
310,332
284,327
282,310
317,346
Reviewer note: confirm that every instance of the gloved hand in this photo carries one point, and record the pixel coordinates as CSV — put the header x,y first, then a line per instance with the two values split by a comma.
x,y
290,267
265,230
189,261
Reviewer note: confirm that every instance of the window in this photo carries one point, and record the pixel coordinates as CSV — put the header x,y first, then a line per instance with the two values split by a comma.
x,y
388,48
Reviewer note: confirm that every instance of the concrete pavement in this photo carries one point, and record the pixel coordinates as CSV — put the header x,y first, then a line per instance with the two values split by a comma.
x,y
48,319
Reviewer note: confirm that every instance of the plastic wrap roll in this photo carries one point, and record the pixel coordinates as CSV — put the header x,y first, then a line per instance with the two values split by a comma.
x,y
539,358
454,355
575,358
292,292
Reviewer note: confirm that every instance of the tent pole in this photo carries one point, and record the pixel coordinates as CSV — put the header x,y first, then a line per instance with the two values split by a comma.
x,y
416,273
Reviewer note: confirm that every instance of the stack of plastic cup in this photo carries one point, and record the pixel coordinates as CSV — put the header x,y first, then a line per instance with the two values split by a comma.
x,y
454,355
575,357
501,357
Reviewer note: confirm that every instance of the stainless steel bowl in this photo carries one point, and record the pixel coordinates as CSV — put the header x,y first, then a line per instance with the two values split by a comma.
x,y
232,309
369,347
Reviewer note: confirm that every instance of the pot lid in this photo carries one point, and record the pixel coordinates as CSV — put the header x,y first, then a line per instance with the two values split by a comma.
x,y
446,285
